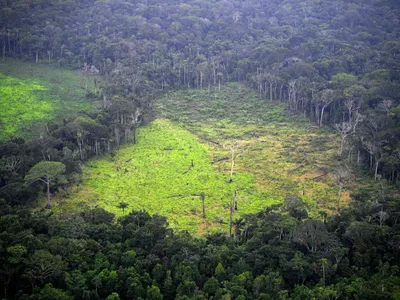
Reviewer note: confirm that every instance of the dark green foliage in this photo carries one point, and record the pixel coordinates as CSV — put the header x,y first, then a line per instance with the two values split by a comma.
x,y
336,62
140,257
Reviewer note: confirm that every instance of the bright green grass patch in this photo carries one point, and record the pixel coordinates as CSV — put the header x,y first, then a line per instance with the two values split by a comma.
x,y
278,154
32,94
20,106
157,175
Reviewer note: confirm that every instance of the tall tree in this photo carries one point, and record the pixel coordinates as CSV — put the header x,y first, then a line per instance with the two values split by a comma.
x,y
46,172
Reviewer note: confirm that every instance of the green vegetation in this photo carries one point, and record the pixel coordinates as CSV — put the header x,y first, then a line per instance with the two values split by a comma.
x,y
33,94
276,155
284,151
266,133
165,173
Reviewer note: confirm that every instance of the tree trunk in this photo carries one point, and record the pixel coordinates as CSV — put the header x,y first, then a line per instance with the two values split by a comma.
x,y
104,101
232,165
80,142
270,92
48,193
9,41
203,197
342,144
235,200
230,219
96,149
86,84
376,168
214,74
184,75
322,116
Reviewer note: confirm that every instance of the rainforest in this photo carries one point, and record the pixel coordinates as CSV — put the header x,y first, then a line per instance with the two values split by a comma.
x,y
193,149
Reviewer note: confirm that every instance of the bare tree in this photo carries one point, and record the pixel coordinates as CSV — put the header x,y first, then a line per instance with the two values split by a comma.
x,y
87,71
292,91
230,218
234,148
374,149
235,206
272,81
341,175
325,98
351,106
259,80
312,234
11,163
348,128
203,197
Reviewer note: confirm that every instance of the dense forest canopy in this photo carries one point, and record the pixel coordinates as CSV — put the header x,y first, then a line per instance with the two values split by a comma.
x,y
336,62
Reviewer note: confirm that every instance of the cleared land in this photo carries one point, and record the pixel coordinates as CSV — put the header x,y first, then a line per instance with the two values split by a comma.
x,y
188,151
32,94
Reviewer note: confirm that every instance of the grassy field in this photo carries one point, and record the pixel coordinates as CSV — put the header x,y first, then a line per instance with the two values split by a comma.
x,y
32,94
286,153
276,155
165,173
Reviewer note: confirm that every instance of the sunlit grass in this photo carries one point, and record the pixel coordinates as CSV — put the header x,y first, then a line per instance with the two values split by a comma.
x,y
287,154
32,94
165,173
277,154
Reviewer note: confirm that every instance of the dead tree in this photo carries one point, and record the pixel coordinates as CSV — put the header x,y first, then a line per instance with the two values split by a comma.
x,y
234,148
230,218
235,207
325,98
203,197
341,175
87,71
346,129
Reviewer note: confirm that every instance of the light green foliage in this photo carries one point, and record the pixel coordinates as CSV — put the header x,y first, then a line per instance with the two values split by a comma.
x,y
16,253
50,293
45,171
32,94
275,155
113,296
153,293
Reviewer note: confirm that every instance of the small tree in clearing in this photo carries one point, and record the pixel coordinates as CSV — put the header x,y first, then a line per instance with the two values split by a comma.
x,y
46,172
123,205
